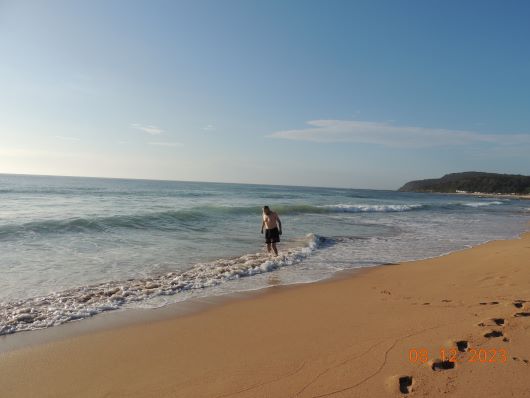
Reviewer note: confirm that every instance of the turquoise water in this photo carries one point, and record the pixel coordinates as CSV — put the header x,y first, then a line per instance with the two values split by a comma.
x,y
74,247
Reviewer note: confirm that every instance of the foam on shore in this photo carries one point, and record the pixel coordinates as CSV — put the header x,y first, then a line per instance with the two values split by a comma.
x,y
82,302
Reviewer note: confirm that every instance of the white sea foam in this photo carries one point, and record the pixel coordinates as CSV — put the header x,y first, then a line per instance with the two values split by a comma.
x,y
481,204
86,301
365,208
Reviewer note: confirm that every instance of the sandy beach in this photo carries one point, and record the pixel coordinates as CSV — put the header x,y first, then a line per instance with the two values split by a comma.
x,y
264,199
376,333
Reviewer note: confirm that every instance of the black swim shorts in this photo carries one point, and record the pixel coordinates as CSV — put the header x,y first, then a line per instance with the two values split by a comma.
x,y
272,235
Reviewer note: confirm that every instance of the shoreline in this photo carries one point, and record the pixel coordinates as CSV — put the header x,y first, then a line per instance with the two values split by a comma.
x,y
285,336
124,317
127,317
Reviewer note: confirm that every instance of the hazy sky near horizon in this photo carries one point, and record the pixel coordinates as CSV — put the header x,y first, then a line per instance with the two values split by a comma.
x,y
366,94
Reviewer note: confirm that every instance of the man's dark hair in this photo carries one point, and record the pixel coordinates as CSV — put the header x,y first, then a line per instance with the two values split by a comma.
x,y
266,207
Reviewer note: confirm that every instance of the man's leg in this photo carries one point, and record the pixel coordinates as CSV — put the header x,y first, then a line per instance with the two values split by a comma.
x,y
274,248
268,248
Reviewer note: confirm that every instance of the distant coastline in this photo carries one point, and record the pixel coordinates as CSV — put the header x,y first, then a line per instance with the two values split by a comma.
x,y
493,185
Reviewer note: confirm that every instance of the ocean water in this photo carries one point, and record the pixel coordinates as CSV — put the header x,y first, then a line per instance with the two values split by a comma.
x,y
71,247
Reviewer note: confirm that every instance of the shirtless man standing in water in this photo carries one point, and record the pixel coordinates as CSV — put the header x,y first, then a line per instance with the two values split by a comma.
x,y
273,229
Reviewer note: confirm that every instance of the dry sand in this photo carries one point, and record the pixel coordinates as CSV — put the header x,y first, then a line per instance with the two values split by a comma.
x,y
349,337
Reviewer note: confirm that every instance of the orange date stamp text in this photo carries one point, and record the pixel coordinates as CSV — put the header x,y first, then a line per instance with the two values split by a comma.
x,y
492,355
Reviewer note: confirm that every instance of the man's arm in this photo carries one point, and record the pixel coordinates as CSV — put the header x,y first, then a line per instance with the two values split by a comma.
x,y
262,225
279,223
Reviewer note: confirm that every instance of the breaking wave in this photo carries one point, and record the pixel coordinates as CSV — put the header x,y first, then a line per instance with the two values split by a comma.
x,y
372,208
482,204
83,302
188,218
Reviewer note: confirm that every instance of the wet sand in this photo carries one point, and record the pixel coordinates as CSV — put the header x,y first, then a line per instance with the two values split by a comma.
x,y
356,336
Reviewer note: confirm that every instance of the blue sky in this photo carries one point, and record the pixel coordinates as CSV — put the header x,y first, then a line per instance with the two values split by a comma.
x,y
366,94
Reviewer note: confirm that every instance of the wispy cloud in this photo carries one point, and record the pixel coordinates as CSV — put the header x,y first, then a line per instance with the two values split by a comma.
x,y
336,131
209,127
171,144
149,129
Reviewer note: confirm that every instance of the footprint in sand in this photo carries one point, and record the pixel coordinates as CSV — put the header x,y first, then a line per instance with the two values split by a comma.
x,y
493,333
496,321
462,345
490,303
442,365
519,314
405,384
519,304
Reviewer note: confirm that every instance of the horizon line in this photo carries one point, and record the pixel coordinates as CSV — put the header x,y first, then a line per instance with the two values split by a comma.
x,y
194,181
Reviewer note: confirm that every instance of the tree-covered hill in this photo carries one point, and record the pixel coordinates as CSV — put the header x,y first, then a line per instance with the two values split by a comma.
x,y
472,181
